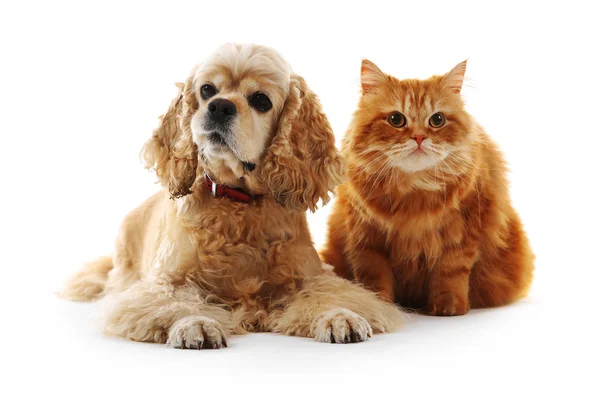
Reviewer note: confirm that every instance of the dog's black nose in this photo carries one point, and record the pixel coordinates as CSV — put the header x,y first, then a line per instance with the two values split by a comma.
x,y
221,110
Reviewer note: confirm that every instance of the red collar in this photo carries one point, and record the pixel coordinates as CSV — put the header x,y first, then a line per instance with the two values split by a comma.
x,y
218,190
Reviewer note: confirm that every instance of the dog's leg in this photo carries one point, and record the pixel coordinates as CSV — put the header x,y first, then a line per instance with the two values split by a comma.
x,y
156,311
334,310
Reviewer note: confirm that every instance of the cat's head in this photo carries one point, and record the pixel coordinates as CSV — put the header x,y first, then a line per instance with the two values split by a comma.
x,y
413,126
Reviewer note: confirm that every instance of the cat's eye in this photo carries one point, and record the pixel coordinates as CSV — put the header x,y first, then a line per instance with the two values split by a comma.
x,y
260,101
397,120
437,120
207,91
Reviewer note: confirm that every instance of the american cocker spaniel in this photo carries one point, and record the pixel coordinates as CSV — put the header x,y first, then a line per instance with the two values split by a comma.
x,y
243,151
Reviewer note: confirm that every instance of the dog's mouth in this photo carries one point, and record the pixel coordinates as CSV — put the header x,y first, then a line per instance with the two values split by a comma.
x,y
217,143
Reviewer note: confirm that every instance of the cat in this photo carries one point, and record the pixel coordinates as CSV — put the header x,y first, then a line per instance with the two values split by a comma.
x,y
425,219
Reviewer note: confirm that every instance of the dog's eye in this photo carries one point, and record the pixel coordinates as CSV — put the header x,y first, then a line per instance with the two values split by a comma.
x,y
207,91
260,101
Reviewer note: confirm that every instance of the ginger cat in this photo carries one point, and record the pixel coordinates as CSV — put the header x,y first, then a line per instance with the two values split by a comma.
x,y
425,218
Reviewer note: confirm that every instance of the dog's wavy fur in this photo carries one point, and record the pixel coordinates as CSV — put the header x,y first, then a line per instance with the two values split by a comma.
x,y
189,268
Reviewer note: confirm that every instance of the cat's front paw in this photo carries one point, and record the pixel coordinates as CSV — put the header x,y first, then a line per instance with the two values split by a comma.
x,y
341,325
448,304
197,332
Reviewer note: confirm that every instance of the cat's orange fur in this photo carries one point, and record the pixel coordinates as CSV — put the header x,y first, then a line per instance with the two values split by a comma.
x,y
425,219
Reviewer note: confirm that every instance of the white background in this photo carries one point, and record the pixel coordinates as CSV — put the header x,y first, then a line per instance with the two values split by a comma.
x,y
82,85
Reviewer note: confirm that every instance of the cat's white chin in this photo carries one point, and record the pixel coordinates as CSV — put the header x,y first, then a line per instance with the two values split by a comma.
x,y
417,161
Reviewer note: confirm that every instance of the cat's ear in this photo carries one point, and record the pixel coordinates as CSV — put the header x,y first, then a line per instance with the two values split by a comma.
x,y
453,80
370,76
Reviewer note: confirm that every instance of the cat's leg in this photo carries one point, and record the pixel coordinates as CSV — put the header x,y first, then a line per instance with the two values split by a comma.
x,y
334,310
371,266
449,281
372,269
503,276
156,311
333,253
334,249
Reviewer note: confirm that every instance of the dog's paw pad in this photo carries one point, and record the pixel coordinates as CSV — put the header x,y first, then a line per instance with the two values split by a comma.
x,y
341,325
197,332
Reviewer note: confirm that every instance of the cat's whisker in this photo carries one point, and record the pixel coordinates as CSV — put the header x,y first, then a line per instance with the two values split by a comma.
x,y
376,157
385,148
470,183
444,204
386,168
373,161
366,167
452,171
369,180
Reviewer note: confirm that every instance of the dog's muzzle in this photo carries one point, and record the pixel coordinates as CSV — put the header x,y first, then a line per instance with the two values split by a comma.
x,y
218,119
217,139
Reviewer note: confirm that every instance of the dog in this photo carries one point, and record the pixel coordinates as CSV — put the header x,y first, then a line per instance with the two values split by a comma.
x,y
242,153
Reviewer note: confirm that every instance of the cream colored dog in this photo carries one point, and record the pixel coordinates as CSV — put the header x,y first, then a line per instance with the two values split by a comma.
x,y
244,150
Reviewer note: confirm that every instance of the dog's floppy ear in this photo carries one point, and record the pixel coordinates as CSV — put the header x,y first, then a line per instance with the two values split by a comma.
x,y
171,151
302,165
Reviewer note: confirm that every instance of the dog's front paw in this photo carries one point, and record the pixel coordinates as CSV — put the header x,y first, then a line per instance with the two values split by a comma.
x,y
197,332
341,325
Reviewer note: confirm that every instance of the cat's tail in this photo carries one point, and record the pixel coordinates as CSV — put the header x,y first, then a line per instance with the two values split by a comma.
x,y
88,284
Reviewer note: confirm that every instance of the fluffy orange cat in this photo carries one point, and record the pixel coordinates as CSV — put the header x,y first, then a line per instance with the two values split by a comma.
x,y
425,218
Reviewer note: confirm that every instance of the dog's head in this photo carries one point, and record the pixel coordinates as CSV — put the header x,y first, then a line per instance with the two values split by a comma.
x,y
247,120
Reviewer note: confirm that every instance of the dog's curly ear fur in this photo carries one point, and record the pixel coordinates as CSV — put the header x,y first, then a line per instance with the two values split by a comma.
x,y
302,165
171,151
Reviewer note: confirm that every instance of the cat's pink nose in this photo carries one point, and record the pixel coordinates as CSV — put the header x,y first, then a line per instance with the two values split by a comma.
x,y
419,139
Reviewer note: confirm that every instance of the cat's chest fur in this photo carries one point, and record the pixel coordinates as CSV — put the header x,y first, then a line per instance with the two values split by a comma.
x,y
417,226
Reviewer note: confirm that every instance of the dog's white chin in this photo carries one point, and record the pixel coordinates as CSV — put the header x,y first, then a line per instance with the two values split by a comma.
x,y
216,152
218,157
416,162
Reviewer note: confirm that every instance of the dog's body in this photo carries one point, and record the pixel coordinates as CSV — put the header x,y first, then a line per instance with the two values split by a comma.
x,y
192,270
